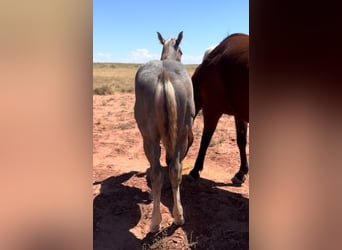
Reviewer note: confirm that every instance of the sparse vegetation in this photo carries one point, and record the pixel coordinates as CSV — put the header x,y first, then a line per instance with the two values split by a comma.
x,y
191,68
103,90
157,243
162,242
216,141
110,78
124,125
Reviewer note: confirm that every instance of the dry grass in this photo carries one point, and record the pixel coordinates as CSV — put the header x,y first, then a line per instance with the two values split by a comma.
x,y
109,78
103,90
163,242
191,68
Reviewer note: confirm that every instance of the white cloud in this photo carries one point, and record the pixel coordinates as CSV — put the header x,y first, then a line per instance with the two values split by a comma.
x,y
142,56
102,57
189,59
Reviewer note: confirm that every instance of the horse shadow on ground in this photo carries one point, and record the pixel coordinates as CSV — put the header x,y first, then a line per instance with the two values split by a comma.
x,y
214,218
115,211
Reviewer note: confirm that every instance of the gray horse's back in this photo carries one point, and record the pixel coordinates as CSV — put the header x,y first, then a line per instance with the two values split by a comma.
x,y
147,75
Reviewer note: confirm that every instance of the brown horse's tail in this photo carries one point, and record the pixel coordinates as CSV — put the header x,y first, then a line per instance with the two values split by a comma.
x,y
166,106
196,88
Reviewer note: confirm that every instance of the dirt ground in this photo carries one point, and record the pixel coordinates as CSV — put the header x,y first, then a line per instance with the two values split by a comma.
x,y
216,212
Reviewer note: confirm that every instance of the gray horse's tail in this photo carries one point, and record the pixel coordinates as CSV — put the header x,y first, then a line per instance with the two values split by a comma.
x,y
166,106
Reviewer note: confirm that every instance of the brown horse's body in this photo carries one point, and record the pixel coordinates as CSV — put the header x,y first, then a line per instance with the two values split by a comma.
x,y
221,86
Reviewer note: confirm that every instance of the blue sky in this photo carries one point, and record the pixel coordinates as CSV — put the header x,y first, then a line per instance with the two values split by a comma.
x,y
125,30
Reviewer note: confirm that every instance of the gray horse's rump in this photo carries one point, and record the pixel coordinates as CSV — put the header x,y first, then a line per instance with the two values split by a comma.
x,y
146,85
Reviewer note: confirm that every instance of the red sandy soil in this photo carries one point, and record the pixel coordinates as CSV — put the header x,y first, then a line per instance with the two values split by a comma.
x,y
216,212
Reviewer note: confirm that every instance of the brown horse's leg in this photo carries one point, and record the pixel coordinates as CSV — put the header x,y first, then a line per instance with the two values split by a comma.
x,y
241,137
210,123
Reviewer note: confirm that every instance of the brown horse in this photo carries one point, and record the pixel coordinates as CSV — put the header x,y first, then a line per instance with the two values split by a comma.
x,y
221,86
164,111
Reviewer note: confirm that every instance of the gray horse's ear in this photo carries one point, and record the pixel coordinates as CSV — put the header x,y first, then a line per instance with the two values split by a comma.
x,y
161,39
179,38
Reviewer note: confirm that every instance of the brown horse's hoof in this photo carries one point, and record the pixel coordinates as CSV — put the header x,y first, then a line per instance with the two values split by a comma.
x,y
194,174
238,179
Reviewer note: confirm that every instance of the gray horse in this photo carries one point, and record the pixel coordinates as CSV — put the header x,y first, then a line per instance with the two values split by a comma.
x,y
164,110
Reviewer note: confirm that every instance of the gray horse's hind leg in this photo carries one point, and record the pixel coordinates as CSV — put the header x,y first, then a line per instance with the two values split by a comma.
x,y
152,151
175,173
241,138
